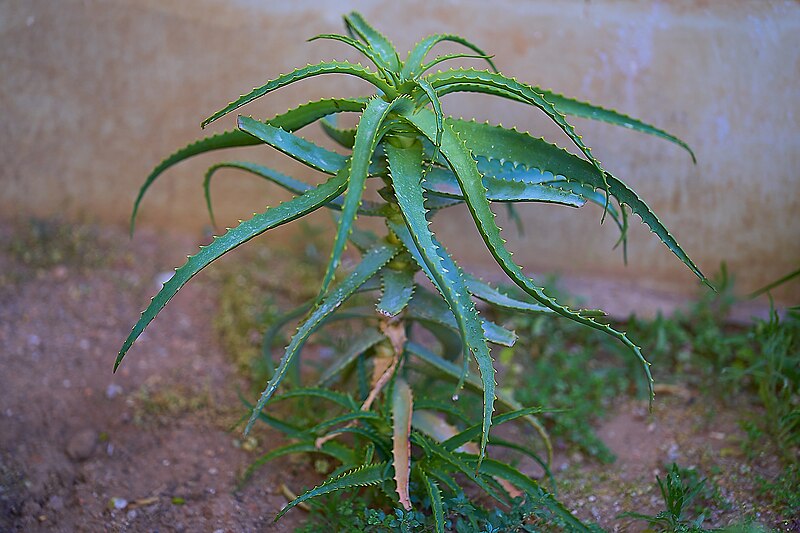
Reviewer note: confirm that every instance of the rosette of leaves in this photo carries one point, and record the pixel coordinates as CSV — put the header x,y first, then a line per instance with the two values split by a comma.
x,y
424,162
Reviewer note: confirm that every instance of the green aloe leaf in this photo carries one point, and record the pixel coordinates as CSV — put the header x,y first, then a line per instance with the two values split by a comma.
x,y
430,93
271,218
489,294
363,476
326,67
576,108
469,178
295,147
521,148
292,120
368,208
405,166
398,288
430,308
402,406
368,52
435,496
374,39
367,139
529,94
370,264
416,57
443,182
365,340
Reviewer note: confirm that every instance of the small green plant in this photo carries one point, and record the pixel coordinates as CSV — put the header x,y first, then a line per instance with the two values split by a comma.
x,y
423,162
678,497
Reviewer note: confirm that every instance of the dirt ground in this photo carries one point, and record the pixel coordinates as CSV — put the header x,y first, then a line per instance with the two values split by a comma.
x,y
149,449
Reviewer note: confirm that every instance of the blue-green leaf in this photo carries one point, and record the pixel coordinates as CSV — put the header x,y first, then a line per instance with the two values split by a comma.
x,y
521,148
295,147
271,218
345,137
428,307
398,287
326,67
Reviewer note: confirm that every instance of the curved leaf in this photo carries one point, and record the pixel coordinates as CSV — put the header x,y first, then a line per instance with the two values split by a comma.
x,y
271,218
370,264
347,417
326,67
367,208
443,182
293,119
413,64
330,448
447,57
368,52
405,167
489,294
345,400
435,496
363,476
576,108
427,307
295,147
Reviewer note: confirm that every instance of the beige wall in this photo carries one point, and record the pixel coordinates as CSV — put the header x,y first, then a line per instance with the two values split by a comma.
x,y
94,93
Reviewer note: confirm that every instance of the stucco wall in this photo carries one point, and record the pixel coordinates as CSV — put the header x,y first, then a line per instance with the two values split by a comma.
x,y
94,93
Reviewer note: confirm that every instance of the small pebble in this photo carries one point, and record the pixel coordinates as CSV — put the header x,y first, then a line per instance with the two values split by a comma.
x,y
119,503
82,444
132,514
213,471
34,340
113,390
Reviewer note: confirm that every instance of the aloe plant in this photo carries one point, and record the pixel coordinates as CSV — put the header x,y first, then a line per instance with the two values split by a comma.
x,y
424,162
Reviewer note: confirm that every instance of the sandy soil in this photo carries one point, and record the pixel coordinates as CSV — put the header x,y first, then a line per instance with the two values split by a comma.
x,y
82,449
